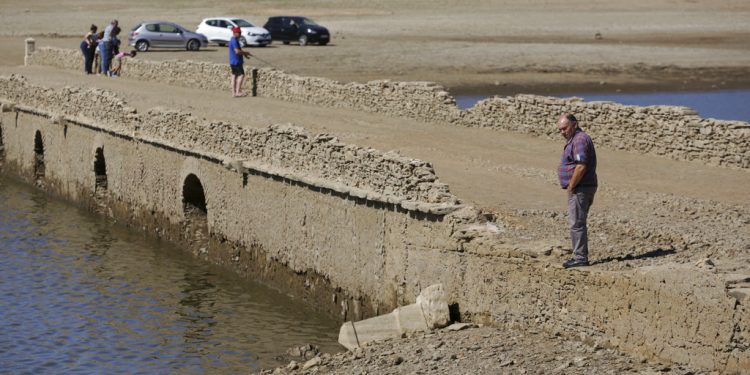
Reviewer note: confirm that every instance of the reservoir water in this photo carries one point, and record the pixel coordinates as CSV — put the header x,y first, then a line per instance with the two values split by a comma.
x,y
721,104
81,295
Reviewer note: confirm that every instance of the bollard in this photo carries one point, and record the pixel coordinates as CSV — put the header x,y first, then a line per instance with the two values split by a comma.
x,y
30,47
254,75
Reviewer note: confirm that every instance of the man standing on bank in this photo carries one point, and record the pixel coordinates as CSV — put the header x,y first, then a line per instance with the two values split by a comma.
x,y
236,59
577,174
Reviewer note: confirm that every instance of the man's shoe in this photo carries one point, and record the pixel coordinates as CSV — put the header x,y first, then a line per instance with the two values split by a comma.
x,y
575,263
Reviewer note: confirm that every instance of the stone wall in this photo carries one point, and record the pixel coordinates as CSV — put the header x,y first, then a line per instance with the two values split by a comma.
x,y
424,101
674,132
284,150
359,254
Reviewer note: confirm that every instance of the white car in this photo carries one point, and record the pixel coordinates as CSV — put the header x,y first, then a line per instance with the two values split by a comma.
x,y
219,30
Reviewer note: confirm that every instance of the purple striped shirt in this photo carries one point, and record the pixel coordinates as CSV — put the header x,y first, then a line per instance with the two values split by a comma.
x,y
579,149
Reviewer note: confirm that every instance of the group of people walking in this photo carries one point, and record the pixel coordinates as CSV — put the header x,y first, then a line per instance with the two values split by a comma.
x,y
101,50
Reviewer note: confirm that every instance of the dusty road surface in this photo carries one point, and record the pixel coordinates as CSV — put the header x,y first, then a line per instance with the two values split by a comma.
x,y
649,210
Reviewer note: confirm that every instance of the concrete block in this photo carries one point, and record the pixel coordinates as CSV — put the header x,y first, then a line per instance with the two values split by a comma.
x,y
430,311
410,319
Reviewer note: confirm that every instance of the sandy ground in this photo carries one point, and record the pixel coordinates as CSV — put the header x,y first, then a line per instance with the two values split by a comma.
x,y
499,46
645,203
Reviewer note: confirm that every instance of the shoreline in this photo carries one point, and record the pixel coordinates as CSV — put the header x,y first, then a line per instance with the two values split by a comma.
x,y
507,80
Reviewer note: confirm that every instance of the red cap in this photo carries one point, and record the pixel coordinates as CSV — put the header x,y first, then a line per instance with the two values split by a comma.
x,y
236,30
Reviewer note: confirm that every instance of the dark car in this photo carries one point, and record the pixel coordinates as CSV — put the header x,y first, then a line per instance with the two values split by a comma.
x,y
298,29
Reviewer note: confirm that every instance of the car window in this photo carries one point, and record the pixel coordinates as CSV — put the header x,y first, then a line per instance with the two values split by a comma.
x,y
242,23
152,27
308,21
274,21
223,24
211,23
167,28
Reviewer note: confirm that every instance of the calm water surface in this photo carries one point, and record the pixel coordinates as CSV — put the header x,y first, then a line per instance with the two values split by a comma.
x,y
722,104
79,295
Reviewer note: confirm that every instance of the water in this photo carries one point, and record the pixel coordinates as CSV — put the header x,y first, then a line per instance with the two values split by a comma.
x,y
723,104
79,295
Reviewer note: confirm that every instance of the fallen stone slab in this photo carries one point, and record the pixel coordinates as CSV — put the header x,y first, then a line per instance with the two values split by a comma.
x,y
460,326
429,312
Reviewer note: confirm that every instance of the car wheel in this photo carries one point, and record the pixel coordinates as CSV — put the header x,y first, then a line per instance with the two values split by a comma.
x,y
243,42
303,40
193,45
222,44
141,46
285,42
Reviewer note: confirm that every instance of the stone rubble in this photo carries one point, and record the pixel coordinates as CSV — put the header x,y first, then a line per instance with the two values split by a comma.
x,y
482,350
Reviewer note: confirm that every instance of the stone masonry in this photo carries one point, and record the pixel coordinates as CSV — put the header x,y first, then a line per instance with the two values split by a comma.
x,y
384,255
674,132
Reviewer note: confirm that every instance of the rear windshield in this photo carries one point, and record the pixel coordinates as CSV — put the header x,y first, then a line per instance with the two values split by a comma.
x,y
308,21
242,23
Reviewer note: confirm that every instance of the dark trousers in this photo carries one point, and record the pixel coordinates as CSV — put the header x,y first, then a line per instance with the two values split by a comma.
x,y
88,57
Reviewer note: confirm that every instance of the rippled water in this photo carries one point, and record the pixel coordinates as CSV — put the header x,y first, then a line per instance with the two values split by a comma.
x,y
720,104
79,295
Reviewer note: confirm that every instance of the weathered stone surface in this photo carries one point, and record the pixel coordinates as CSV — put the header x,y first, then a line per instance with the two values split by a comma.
x,y
460,326
669,131
311,363
430,312
434,303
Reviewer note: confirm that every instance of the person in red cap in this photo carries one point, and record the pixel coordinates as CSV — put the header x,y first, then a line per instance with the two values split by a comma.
x,y
236,60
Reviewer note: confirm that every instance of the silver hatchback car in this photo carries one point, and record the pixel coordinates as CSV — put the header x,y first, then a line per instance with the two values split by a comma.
x,y
163,34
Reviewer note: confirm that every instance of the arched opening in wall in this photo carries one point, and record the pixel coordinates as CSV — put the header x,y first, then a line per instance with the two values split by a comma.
x,y
38,157
100,170
193,196
195,226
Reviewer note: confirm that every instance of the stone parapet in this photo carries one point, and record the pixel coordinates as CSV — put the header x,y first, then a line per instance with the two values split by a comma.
x,y
320,160
675,132
668,131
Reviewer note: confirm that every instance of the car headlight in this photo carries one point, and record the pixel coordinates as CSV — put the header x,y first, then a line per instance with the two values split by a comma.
x,y
311,31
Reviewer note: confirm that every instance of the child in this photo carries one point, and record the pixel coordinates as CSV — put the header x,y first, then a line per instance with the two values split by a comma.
x,y
114,71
